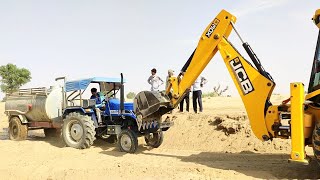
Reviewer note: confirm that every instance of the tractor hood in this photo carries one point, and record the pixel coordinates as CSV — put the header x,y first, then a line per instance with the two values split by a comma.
x,y
115,105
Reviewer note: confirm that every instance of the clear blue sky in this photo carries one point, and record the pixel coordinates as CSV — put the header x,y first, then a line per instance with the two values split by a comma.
x,y
104,38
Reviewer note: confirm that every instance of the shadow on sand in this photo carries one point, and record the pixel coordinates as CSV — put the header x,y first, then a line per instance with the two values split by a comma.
x,y
253,164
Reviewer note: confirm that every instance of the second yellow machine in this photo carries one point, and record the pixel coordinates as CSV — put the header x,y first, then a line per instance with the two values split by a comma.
x,y
298,120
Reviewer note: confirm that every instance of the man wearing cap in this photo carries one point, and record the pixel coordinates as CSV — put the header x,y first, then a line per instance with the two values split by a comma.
x,y
186,98
170,74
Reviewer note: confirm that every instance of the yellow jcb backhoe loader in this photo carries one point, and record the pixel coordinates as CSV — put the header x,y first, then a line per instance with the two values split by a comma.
x,y
298,120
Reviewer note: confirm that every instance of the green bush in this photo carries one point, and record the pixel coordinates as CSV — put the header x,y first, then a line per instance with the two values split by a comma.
x,y
210,94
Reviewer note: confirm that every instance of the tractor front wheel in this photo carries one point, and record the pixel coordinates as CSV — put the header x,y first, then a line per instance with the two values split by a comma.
x,y
154,139
128,141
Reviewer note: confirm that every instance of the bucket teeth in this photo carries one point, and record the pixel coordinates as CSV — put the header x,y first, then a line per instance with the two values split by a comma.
x,y
149,125
155,124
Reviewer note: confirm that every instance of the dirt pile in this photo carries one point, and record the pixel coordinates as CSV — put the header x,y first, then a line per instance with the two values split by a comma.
x,y
230,133
230,124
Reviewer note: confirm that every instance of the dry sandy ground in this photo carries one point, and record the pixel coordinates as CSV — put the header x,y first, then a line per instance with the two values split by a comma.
x,y
197,147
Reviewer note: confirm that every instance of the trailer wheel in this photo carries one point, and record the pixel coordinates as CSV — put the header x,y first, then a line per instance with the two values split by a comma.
x,y
127,141
78,131
52,132
154,139
316,142
17,130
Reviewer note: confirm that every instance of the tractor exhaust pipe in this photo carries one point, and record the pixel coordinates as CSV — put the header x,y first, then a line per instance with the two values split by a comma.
x,y
122,96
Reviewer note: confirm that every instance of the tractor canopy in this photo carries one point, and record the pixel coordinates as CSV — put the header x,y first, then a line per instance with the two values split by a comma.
x,y
108,92
106,84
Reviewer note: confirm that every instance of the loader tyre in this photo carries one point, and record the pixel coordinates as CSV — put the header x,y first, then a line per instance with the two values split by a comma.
x,y
78,131
127,141
17,130
155,139
316,142
52,132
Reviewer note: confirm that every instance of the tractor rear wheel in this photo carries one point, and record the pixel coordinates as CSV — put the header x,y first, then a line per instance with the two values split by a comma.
x,y
17,130
316,142
78,131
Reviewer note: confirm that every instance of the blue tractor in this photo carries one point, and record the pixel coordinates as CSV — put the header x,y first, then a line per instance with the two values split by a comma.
x,y
105,116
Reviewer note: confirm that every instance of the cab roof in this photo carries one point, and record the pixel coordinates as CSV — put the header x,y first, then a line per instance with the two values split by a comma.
x,y
82,84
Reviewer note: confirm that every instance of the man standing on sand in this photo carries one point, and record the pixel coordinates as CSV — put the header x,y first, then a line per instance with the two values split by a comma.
x,y
154,80
197,93
170,74
186,98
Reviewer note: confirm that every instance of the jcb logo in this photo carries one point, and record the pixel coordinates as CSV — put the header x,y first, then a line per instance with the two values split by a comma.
x,y
212,27
241,76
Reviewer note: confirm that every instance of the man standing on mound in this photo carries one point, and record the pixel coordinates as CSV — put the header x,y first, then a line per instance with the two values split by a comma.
x,y
154,80
197,93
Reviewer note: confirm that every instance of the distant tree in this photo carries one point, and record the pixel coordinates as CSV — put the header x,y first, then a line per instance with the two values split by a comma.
x,y
131,95
13,77
218,91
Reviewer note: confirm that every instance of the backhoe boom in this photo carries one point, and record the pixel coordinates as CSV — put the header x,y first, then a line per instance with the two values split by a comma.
x,y
299,120
254,84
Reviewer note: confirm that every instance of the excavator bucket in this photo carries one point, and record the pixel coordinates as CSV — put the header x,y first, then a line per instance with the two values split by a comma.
x,y
151,104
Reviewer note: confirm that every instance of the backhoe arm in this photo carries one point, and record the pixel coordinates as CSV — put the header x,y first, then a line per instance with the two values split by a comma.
x,y
206,49
254,84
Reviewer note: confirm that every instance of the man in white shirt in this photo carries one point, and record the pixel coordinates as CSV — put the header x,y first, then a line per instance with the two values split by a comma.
x,y
154,80
197,93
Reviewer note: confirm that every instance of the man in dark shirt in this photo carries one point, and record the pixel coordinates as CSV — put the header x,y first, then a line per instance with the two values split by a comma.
x,y
95,95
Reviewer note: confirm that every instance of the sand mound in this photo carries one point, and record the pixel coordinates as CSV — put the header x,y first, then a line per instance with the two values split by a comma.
x,y
230,124
229,133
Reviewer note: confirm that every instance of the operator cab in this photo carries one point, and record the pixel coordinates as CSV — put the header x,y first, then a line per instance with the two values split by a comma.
x,y
314,83
108,90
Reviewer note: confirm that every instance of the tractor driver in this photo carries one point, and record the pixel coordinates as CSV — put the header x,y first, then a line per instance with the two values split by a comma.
x,y
95,95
